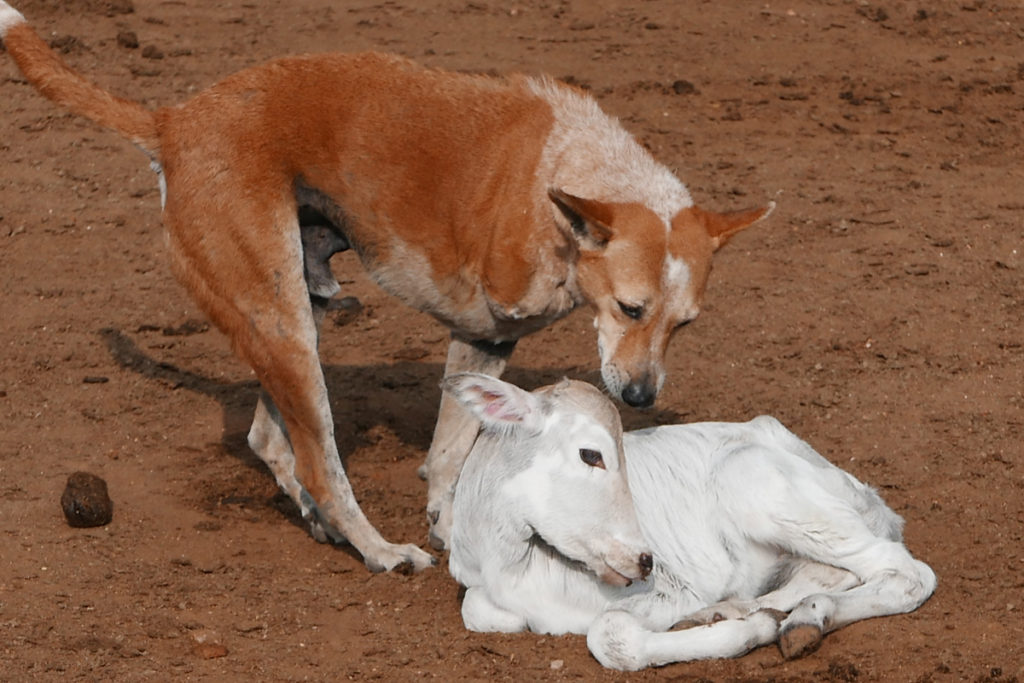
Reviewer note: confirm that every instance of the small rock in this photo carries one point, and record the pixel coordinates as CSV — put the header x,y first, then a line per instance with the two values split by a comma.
x,y
113,7
684,87
919,268
208,645
67,45
128,39
251,626
152,52
85,501
210,650
187,328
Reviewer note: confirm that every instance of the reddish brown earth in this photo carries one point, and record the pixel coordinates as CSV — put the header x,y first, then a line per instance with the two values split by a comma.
x,y
878,313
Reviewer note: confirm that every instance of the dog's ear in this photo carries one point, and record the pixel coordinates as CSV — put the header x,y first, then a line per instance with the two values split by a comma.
x,y
589,219
722,226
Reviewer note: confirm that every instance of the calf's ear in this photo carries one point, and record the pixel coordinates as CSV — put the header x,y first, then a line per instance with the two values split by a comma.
x,y
497,404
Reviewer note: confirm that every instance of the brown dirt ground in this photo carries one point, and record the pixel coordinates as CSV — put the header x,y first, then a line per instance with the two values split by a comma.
x,y
878,313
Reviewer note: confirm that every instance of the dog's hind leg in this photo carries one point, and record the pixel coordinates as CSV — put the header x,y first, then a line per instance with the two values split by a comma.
x,y
456,432
251,284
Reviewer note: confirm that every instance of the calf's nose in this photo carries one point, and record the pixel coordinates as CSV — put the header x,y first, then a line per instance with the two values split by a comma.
x,y
646,565
638,395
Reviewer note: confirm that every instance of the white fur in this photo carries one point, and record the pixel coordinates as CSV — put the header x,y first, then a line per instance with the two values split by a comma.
x,y
161,181
543,495
9,17
677,279
589,154
741,518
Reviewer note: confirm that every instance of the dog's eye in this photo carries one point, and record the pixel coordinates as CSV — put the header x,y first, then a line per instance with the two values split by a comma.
x,y
592,457
634,312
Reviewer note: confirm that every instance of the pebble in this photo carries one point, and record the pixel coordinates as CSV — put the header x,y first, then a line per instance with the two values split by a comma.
x,y
128,39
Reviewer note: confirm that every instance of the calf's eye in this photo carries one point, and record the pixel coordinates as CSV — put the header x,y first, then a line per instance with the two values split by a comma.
x,y
592,457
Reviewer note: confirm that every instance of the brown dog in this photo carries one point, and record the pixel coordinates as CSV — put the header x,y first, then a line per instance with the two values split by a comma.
x,y
497,205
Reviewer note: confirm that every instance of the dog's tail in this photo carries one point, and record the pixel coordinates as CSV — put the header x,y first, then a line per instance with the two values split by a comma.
x,y
52,77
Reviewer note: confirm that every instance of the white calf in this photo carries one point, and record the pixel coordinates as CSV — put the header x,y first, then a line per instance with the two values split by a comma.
x,y
745,523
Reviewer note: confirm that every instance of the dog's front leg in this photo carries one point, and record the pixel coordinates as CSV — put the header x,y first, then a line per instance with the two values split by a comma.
x,y
292,432
456,432
268,438
299,448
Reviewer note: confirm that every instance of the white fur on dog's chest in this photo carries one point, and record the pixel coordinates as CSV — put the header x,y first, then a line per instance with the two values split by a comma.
x,y
464,304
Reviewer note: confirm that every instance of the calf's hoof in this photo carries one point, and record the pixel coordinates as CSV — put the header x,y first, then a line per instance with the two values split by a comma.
x,y
799,640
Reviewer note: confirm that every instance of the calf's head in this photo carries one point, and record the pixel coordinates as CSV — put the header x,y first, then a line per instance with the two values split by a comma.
x,y
646,277
569,485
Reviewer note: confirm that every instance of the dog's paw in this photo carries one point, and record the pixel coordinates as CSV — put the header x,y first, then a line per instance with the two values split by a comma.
x,y
323,532
317,532
404,559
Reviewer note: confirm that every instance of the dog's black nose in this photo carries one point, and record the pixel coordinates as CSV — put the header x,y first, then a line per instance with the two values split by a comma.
x,y
638,395
646,564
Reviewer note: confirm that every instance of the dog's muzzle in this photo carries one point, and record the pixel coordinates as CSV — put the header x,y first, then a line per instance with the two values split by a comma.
x,y
639,394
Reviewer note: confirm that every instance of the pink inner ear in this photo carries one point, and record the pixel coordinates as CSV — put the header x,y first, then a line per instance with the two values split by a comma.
x,y
498,407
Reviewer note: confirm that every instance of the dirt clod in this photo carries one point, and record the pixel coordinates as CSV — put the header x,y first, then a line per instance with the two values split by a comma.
x,y
85,501
128,39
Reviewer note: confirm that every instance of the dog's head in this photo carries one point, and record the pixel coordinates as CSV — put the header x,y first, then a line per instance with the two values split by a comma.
x,y
645,278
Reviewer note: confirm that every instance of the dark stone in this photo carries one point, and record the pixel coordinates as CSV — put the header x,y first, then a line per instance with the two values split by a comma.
x,y
128,39
684,87
86,502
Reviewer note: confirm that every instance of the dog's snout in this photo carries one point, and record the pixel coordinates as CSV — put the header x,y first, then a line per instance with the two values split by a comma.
x,y
646,563
639,394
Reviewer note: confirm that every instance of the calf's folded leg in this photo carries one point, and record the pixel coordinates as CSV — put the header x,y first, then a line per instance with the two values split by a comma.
x,y
619,641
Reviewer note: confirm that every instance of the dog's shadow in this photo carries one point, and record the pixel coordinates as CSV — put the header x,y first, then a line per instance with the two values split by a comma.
x,y
402,398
